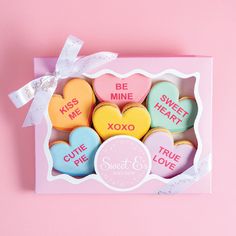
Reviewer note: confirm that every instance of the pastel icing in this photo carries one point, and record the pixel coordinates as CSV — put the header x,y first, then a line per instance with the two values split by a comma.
x,y
74,107
133,120
168,158
76,158
122,162
109,88
168,111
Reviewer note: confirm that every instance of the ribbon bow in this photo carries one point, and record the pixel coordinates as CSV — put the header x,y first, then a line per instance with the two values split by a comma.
x,y
42,88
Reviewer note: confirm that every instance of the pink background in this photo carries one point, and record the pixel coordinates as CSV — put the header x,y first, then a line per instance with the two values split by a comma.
x,y
151,27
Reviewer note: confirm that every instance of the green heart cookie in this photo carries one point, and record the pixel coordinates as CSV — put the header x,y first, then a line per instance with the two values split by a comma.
x,y
168,111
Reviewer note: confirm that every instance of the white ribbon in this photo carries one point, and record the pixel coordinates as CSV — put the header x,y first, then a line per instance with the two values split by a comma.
x,y
68,65
181,182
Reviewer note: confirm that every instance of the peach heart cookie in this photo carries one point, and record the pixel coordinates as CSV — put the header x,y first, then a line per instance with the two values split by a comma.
x,y
109,88
168,111
168,158
74,107
133,120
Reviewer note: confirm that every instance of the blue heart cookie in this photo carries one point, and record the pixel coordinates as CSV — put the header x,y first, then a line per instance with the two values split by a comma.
x,y
76,158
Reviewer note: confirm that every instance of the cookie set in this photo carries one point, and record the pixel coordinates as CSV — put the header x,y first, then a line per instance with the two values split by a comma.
x,y
107,124
122,108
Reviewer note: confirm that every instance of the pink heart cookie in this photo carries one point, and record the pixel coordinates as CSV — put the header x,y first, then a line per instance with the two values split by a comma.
x,y
109,88
168,158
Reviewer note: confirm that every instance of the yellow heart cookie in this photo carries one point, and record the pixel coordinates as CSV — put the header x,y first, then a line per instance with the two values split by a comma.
x,y
108,120
74,108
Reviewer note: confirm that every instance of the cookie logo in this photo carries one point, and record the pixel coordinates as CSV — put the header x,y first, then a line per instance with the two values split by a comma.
x,y
122,162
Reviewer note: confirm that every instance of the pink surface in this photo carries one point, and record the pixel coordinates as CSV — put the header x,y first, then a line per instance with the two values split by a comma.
x,y
132,28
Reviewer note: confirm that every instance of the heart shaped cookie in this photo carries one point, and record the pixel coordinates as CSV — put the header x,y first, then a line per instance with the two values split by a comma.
x,y
74,108
109,88
108,120
168,158
167,111
77,157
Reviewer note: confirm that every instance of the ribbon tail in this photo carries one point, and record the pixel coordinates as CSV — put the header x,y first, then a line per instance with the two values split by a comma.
x,y
38,108
68,56
24,94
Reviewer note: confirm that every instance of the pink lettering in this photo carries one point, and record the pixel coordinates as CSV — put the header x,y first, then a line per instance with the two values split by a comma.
x,y
66,158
